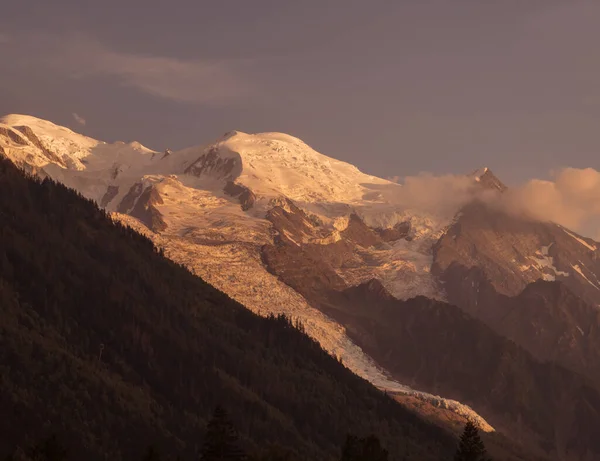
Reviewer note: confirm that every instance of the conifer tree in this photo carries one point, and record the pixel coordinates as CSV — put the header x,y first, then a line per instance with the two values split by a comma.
x,y
221,442
363,449
471,447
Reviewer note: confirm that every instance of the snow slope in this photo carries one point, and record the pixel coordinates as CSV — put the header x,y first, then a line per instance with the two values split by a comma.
x,y
277,164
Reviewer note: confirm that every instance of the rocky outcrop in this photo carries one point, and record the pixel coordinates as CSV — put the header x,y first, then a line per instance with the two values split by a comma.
x,y
314,259
111,193
245,196
33,139
130,198
392,234
311,259
212,164
140,203
146,212
13,136
308,268
359,233
486,179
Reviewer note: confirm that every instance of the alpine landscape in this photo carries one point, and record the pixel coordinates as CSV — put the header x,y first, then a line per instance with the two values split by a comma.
x,y
250,297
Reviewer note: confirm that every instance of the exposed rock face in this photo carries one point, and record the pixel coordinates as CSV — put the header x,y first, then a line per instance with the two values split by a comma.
x,y
33,139
315,261
399,231
309,268
139,203
245,196
359,233
13,136
146,212
513,252
111,193
437,347
211,163
486,179
129,200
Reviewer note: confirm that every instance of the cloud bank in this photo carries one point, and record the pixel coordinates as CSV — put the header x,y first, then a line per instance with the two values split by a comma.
x,y
571,198
438,195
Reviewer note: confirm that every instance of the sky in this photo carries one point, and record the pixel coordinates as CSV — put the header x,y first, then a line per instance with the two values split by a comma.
x,y
395,87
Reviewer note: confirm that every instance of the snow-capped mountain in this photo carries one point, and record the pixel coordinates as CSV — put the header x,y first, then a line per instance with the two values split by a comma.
x,y
212,208
284,229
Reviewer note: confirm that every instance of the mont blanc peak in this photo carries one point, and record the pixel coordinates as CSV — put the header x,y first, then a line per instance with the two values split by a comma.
x,y
275,164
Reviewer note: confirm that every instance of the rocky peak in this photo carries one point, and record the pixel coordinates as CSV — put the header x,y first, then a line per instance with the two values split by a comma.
x,y
488,180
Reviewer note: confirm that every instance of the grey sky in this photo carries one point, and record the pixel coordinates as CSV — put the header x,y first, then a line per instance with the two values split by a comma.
x,y
395,87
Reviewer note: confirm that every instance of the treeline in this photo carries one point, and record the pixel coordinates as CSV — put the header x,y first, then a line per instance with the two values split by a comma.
x,y
221,443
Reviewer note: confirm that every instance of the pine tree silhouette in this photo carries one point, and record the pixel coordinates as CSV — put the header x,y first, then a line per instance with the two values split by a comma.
x,y
471,447
221,442
363,449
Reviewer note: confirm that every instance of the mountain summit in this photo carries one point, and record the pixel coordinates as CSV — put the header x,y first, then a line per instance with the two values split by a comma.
x,y
487,179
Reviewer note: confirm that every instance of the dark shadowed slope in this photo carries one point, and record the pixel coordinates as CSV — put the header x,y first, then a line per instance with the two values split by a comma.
x,y
438,348
113,346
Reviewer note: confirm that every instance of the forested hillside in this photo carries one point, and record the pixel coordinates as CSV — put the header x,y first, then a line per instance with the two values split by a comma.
x,y
113,347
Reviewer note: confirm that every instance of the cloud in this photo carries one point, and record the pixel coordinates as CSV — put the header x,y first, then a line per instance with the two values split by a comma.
x,y
571,198
438,195
79,119
192,81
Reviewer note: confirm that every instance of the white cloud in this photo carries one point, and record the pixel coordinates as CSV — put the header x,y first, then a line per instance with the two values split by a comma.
x,y
79,119
193,81
439,195
572,199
